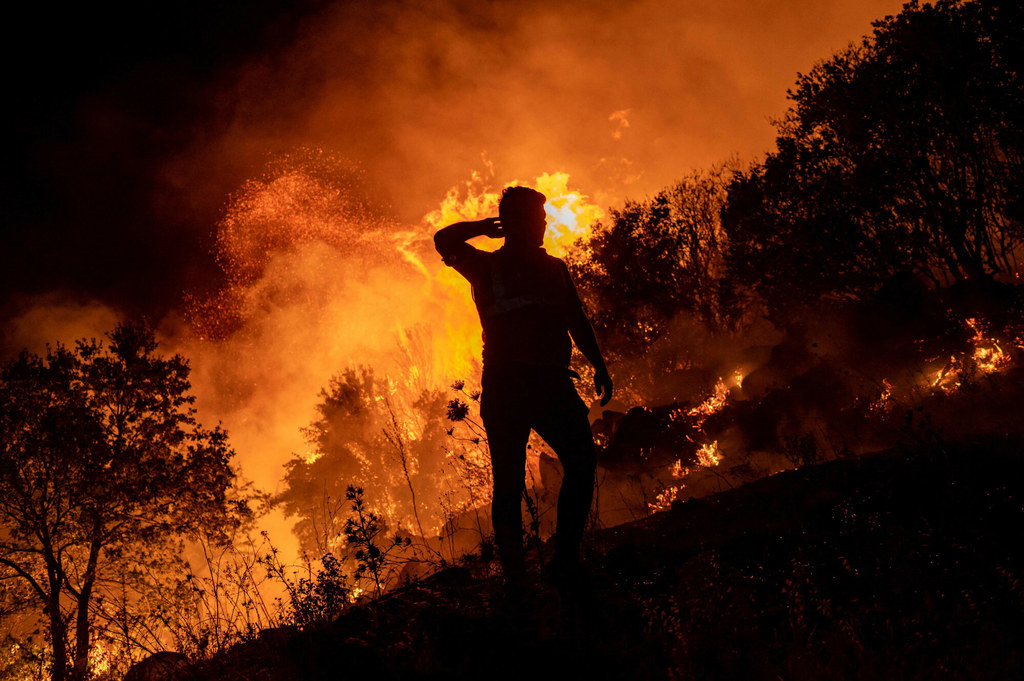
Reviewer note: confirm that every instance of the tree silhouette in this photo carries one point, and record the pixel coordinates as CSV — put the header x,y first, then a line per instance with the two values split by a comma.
x,y
901,154
102,465
655,259
364,433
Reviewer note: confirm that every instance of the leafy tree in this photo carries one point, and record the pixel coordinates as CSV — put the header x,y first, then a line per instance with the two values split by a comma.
x,y
363,432
901,154
656,259
102,465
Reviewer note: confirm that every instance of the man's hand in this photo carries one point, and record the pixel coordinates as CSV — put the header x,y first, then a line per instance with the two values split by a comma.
x,y
603,385
492,228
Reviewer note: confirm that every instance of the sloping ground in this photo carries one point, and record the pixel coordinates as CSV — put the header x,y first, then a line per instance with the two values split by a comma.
x,y
901,566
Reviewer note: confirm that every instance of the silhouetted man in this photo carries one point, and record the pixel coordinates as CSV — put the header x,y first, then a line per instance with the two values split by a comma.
x,y
529,309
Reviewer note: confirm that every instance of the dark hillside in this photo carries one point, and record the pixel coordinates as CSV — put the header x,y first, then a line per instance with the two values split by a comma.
x,y
905,565
900,566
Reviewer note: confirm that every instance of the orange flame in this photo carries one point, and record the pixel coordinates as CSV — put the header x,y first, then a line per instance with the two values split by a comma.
x,y
714,403
987,354
708,455
986,357
664,500
319,282
884,399
571,216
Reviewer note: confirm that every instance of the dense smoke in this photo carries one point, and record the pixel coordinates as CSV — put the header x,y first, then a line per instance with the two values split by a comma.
x,y
137,168
317,283
624,98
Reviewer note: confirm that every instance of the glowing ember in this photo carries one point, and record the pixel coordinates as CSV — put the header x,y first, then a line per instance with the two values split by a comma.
x,y
986,357
948,377
664,499
708,455
99,659
884,399
714,403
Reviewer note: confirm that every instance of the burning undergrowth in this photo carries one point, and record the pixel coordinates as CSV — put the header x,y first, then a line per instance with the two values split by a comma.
x,y
342,353
861,379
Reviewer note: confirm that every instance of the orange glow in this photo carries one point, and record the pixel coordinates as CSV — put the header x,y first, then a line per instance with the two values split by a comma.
x,y
708,455
571,216
714,403
664,499
986,357
319,282
99,659
882,402
948,377
987,354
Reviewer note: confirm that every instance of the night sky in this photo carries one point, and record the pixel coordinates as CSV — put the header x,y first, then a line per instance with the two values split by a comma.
x,y
101,97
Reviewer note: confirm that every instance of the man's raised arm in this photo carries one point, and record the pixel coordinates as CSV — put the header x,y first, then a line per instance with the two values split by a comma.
x,y
449,240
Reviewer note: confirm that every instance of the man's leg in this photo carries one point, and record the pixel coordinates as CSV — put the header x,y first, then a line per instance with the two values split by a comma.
x,y
566,429
508,430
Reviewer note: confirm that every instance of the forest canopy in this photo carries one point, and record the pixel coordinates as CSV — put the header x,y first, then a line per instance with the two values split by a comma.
x,y
899,156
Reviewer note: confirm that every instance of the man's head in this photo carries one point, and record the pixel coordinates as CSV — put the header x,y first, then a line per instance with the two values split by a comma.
x,y
521,211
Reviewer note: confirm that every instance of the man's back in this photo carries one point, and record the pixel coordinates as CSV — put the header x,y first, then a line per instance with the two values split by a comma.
x,y
525,299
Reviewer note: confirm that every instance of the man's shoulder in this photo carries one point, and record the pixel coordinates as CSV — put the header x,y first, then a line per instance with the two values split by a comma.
x,y
555,263
539,256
